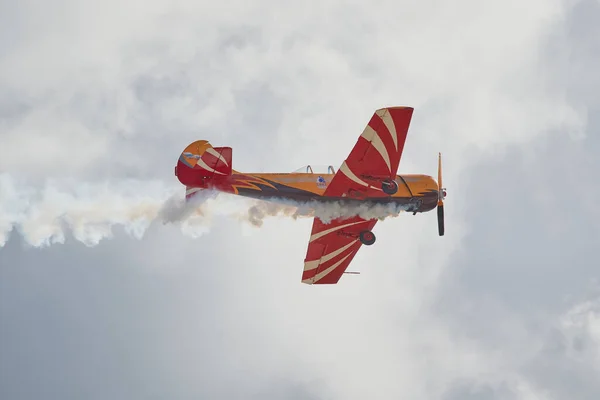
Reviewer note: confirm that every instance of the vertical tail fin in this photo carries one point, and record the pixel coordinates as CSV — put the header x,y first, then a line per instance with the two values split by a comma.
x,y
222,159
200,161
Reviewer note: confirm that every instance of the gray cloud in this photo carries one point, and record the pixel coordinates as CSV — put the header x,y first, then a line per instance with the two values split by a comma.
x,y
487,311
525,283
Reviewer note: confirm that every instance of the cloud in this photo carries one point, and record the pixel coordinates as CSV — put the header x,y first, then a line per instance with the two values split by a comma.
x,y
113,93
178,71
524,284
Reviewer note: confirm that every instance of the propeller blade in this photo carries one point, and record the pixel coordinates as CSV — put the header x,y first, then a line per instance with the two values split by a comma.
x,y
440,204
440,187
440,216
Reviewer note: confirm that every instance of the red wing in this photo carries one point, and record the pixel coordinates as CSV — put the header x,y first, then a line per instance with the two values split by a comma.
x,y
332,247
376,155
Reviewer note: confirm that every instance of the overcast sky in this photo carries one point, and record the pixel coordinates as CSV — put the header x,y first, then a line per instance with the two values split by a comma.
x,y
98,99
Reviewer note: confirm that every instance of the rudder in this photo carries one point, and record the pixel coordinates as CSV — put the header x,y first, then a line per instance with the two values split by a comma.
x,y
200,161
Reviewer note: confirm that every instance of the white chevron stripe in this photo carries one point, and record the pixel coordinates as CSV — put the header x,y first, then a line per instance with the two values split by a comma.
x,y
192,190
310,265
322,274
215,153
335,228
202,164
329,256
346,171
372,136
385,116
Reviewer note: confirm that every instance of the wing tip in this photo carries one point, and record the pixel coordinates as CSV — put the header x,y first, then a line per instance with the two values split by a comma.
x,y
408,108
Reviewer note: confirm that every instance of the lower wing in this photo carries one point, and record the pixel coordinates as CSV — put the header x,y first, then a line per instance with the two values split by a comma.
x,y
331,248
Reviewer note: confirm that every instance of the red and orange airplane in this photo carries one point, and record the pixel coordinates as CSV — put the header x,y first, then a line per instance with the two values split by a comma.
x,y
369,174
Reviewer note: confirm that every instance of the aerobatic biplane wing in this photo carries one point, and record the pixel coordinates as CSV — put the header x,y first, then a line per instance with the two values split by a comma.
x,y
331,248
375,156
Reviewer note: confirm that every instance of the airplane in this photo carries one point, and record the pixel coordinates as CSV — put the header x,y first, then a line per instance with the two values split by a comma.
x,y
368,174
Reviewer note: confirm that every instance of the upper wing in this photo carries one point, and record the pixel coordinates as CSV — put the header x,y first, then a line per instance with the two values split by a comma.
x,y
332,247
375,155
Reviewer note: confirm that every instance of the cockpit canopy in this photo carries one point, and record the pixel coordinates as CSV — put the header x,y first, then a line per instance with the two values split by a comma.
x,y
315,169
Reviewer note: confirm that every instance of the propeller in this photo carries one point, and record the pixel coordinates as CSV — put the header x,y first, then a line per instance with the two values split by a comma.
x,y
441,196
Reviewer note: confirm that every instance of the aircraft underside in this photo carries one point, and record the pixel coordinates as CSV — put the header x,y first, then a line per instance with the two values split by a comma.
x,y
422,203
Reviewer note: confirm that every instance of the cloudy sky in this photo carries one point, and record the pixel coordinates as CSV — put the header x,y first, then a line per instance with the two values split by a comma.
x,y
98,99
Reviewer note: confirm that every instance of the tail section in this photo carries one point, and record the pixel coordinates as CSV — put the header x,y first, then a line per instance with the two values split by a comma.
x,y
200,162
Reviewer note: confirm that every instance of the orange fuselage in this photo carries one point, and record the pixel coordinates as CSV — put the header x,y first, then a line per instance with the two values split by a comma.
x,y
417,189
202,166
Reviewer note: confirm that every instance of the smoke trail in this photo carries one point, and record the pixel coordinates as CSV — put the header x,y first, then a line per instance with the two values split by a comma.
x,y
90,211
326,212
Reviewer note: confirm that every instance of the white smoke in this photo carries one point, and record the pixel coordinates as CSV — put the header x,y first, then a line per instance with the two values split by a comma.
x,y
324,211
90,211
